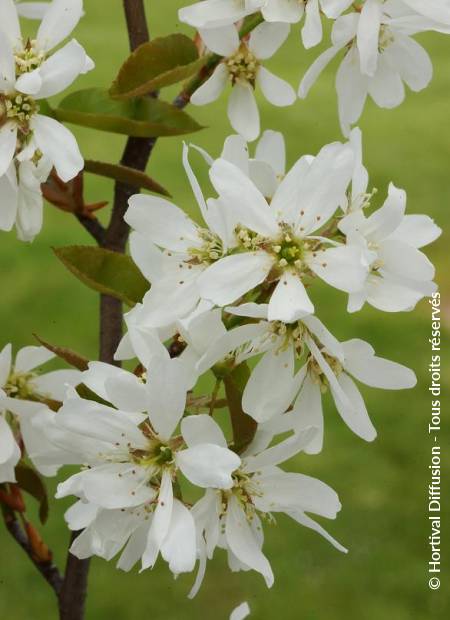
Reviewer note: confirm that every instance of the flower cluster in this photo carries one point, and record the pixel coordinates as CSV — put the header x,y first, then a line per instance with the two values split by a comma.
x,y
373,36
158,475
31,143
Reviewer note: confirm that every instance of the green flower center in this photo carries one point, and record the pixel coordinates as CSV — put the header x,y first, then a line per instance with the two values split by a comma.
x,y
29,58
242,66
317,373
18,107
20,385
210,251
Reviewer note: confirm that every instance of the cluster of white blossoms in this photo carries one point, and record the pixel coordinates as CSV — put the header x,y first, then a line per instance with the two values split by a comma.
x,y
31,144
373,36
231,298
158,476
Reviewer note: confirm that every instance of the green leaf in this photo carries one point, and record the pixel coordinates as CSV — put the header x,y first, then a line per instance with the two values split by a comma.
x,y
105,271
142,118
71,357
124,174
29,480
161,62
244,427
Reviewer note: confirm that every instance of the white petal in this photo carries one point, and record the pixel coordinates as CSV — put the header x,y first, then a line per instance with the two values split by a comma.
x,y
10,22
29,358
146,255
7,441
352,87
281,452
8,142
416,230
368,35
361,362
161,521
233,276
390,296
208,465
290,11
166,395
80,515
243,111
400,259
59,145
230,342
264,177
386,87
334,8
308,412
267,38
223,41
162,222
178,547
54,384
411,61
240,612
33,10
29,83
117,485
434,9
340,267
9,193
316,69
277,91
60,70
272,386
283,490
271,149
356,417
312,30
300,517
235,150
198,429
5,365
59,21
240,195
211,89
242,542
289,301
212,14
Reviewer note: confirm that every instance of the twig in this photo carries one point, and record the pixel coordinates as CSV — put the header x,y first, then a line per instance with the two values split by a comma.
x,y
47,569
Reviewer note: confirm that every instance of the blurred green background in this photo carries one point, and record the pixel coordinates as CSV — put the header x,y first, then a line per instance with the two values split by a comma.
x,y
383,486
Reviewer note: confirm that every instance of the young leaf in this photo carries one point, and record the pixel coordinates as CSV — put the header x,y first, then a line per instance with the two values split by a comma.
x,y
142,118
71,357
124,174
29,480
244,427
161,62
105,271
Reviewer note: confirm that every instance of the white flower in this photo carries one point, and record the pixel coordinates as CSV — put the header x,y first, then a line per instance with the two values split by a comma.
x,y
23,203
281,242
32,10
274,383
242,68
231,519
21,390
28,74
133,457
172,251
399,274
267,168
379,57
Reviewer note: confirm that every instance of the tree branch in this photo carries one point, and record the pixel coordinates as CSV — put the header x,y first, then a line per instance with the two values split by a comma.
x,y
47,569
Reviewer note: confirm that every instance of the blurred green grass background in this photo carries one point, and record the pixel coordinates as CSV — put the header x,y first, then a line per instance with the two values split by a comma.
x,y
383,486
